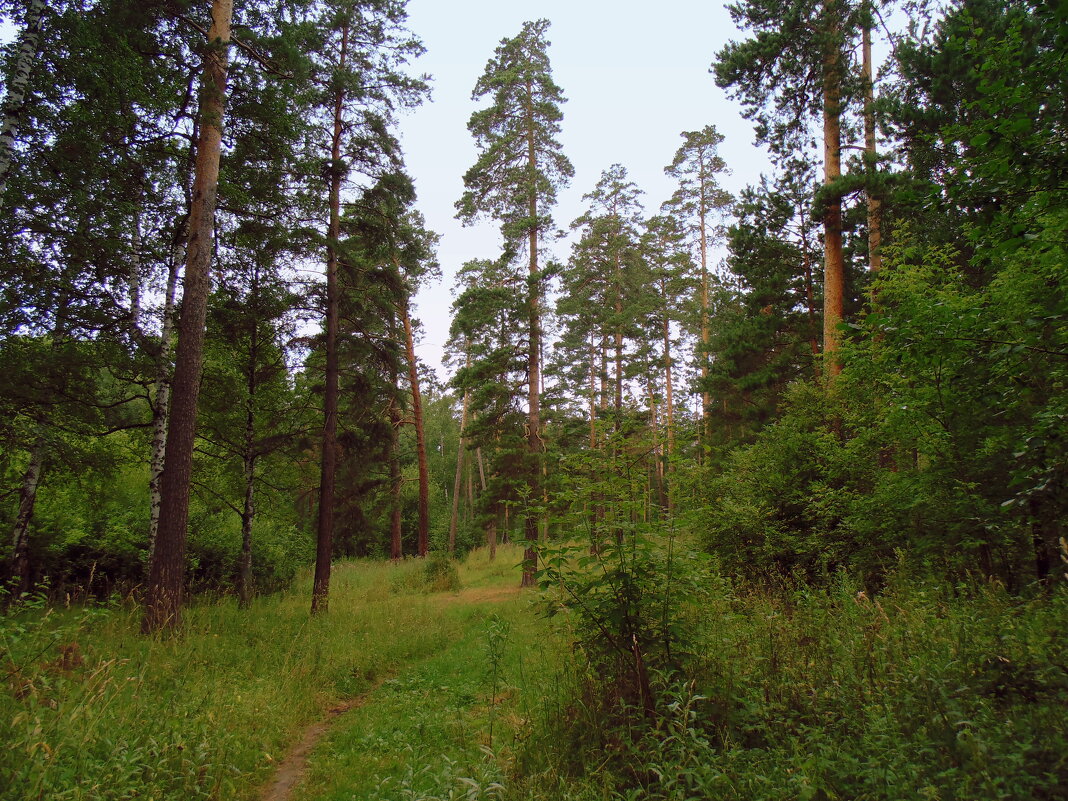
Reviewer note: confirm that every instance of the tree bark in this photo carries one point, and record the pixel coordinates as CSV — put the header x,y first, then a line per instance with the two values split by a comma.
x,y
706,397
167,572
324,541
834,265
248,510
530,526
161,408
20,546
669,405
420,436
248,516
481,469
396,533
618,337
456,486
875,222
15,97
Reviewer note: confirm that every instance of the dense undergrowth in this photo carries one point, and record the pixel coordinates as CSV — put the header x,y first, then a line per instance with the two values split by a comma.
x,y
922,691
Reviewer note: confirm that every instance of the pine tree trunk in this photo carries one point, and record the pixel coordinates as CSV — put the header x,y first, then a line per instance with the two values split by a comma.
x,y
481,469
810,295
15,97
530,556
593,394
669,406
420,437
167,572
248,516
618,337
248,510
834,265
396,533
324,541
706,397
875,223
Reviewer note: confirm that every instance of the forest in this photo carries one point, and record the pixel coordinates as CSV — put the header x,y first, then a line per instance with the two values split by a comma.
x,y
751,495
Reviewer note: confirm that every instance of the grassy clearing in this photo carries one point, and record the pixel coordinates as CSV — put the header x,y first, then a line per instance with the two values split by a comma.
x,y
89,709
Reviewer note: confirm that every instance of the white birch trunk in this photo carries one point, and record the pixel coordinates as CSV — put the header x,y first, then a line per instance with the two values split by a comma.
x,y
16,90
161,412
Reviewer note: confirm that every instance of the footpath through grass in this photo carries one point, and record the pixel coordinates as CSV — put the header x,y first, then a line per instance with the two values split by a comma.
x,y
89,709
925,691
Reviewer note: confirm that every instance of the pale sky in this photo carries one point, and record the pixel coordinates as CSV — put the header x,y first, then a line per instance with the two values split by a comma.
x,y
635,75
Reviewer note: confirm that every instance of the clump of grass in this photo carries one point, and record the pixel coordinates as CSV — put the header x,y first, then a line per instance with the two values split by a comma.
x,y
440,573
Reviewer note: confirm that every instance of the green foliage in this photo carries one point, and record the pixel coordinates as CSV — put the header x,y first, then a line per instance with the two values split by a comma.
x,y
924,691
440,573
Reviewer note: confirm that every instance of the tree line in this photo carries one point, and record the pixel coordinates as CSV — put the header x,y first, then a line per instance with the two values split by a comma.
x,y
870,379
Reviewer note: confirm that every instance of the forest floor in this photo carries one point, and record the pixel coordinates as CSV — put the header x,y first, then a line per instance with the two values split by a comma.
x,y
406,688
426,682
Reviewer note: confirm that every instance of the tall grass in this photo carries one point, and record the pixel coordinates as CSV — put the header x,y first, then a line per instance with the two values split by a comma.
x,y
90,709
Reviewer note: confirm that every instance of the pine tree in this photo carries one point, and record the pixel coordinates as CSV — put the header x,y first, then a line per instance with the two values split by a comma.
x,y
167,571
793,68
519,170
697,166
365,48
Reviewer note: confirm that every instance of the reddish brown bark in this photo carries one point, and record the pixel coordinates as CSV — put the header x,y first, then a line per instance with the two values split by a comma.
x,y
834,265
166,577
324,542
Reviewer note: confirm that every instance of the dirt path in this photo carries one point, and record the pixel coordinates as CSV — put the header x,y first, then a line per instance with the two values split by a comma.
x,y
291,769
294,764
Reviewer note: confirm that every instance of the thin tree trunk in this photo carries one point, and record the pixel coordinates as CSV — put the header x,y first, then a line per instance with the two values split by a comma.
x,y
459,474
530,556
161,408
133,280
324,542
875,223
15,97
396,533
618,337
420,436
604,373
593,394
248,510
491,535
810,301
834,265
706,397
669,404
248,515
481,468
167,572
20,546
